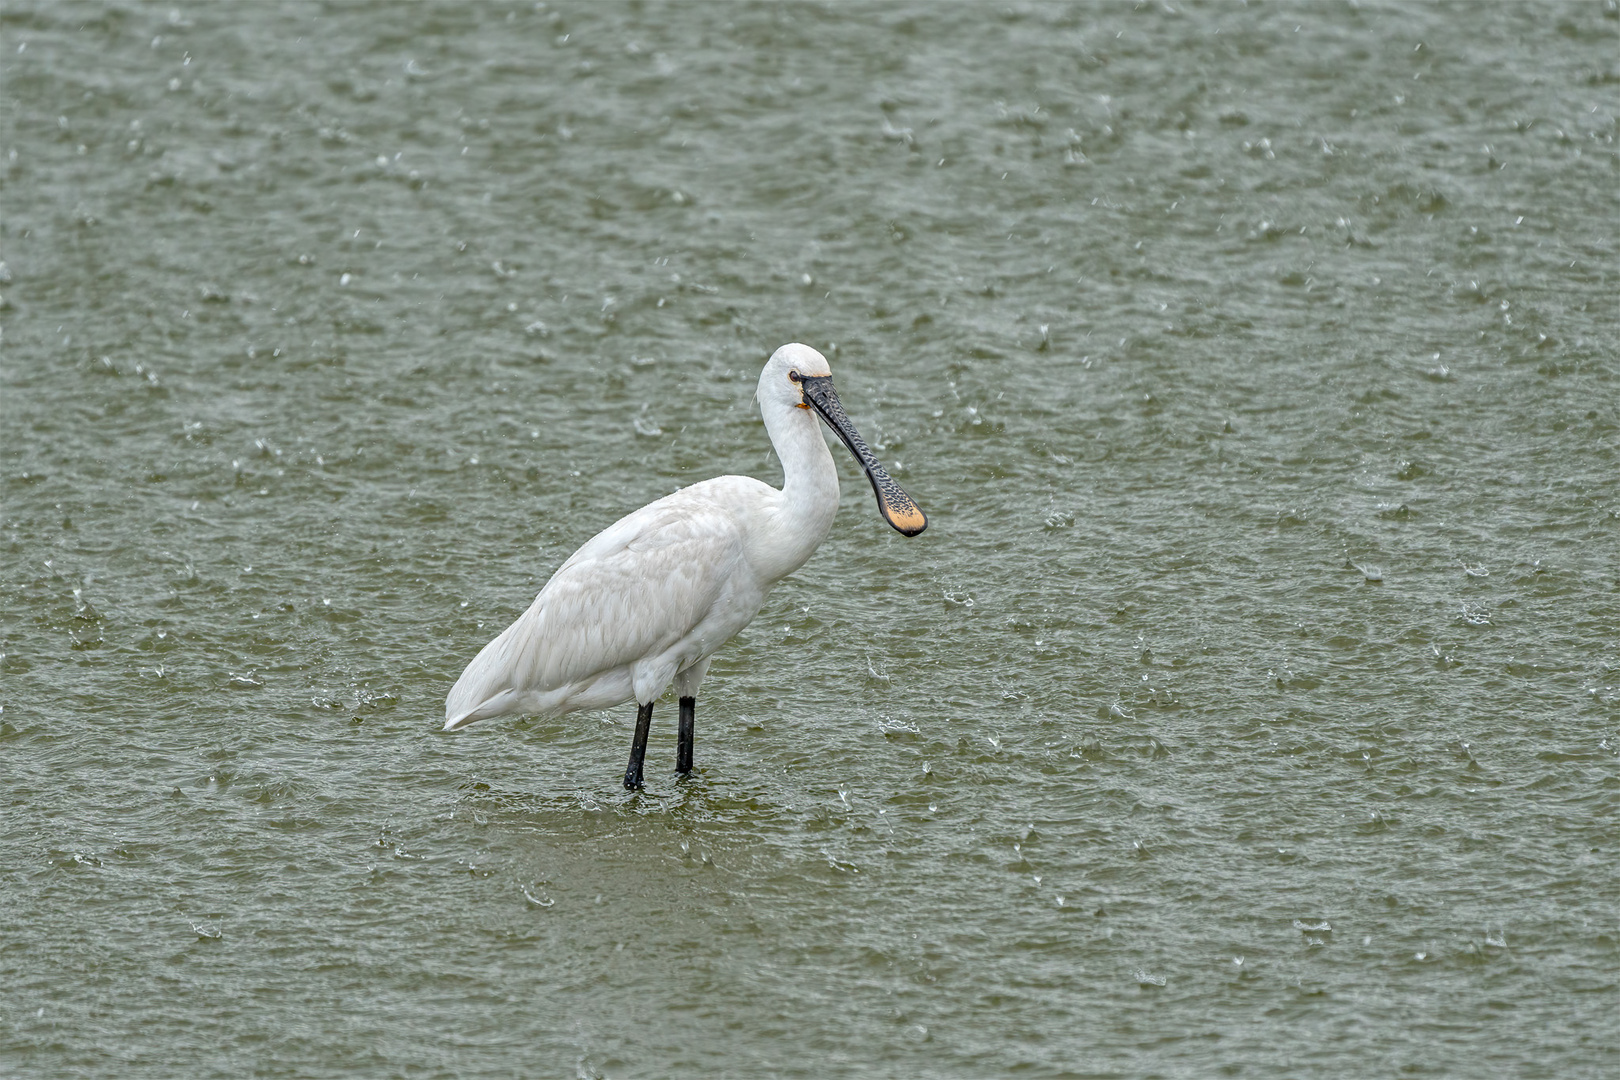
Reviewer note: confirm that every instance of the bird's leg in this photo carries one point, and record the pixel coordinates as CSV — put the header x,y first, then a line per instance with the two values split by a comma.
x,y
683,738
638,747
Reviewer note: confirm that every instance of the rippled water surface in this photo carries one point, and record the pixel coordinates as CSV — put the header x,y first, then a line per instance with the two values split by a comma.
x,y
1250,707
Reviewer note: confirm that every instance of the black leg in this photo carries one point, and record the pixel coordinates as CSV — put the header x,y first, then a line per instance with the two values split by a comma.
x,y
638,748
683,739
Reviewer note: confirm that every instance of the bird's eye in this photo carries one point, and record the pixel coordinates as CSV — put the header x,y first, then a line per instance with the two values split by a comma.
x,y
795,376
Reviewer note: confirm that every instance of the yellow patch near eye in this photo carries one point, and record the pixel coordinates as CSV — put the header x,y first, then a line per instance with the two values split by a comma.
x,y
802,405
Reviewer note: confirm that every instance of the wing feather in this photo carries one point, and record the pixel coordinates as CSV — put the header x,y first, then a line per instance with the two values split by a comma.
x,y
632,591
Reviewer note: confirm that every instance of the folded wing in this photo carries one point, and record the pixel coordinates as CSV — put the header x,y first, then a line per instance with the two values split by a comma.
x,y
634,591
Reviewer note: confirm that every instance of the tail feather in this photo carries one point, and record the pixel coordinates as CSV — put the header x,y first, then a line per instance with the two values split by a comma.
x,y
484,690
459,715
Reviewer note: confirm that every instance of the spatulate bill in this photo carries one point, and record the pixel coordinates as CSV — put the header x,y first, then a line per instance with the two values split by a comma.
x,y
897,508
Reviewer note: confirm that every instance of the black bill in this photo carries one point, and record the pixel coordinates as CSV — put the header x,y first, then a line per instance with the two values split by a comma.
x,y
893,503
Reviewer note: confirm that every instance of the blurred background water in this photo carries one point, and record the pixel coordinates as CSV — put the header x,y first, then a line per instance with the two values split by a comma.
x,y
1251,706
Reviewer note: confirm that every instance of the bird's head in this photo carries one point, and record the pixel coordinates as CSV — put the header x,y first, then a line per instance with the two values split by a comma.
x,y
797,376
780,381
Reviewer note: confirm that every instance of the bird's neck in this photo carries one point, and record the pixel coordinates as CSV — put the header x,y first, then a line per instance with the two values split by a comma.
x,y
809,500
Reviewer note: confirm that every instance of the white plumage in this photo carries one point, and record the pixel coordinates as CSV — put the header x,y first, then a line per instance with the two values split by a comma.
x,y
648,600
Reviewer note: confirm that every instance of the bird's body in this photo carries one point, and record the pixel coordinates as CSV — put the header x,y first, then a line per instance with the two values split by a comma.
x,y
648,600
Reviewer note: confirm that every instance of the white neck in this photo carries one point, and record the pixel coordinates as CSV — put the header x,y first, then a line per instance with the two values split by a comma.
x,y
809,498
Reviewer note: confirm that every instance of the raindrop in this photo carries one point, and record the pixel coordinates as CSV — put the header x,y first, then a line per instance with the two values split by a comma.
x,y
645,425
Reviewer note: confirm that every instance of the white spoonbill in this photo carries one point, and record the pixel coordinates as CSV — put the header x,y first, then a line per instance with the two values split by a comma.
x,y
648,600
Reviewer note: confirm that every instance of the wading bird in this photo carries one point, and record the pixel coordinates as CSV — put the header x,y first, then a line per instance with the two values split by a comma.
x,y
648,600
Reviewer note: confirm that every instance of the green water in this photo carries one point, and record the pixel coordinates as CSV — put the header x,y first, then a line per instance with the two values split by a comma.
x,y
1251,706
